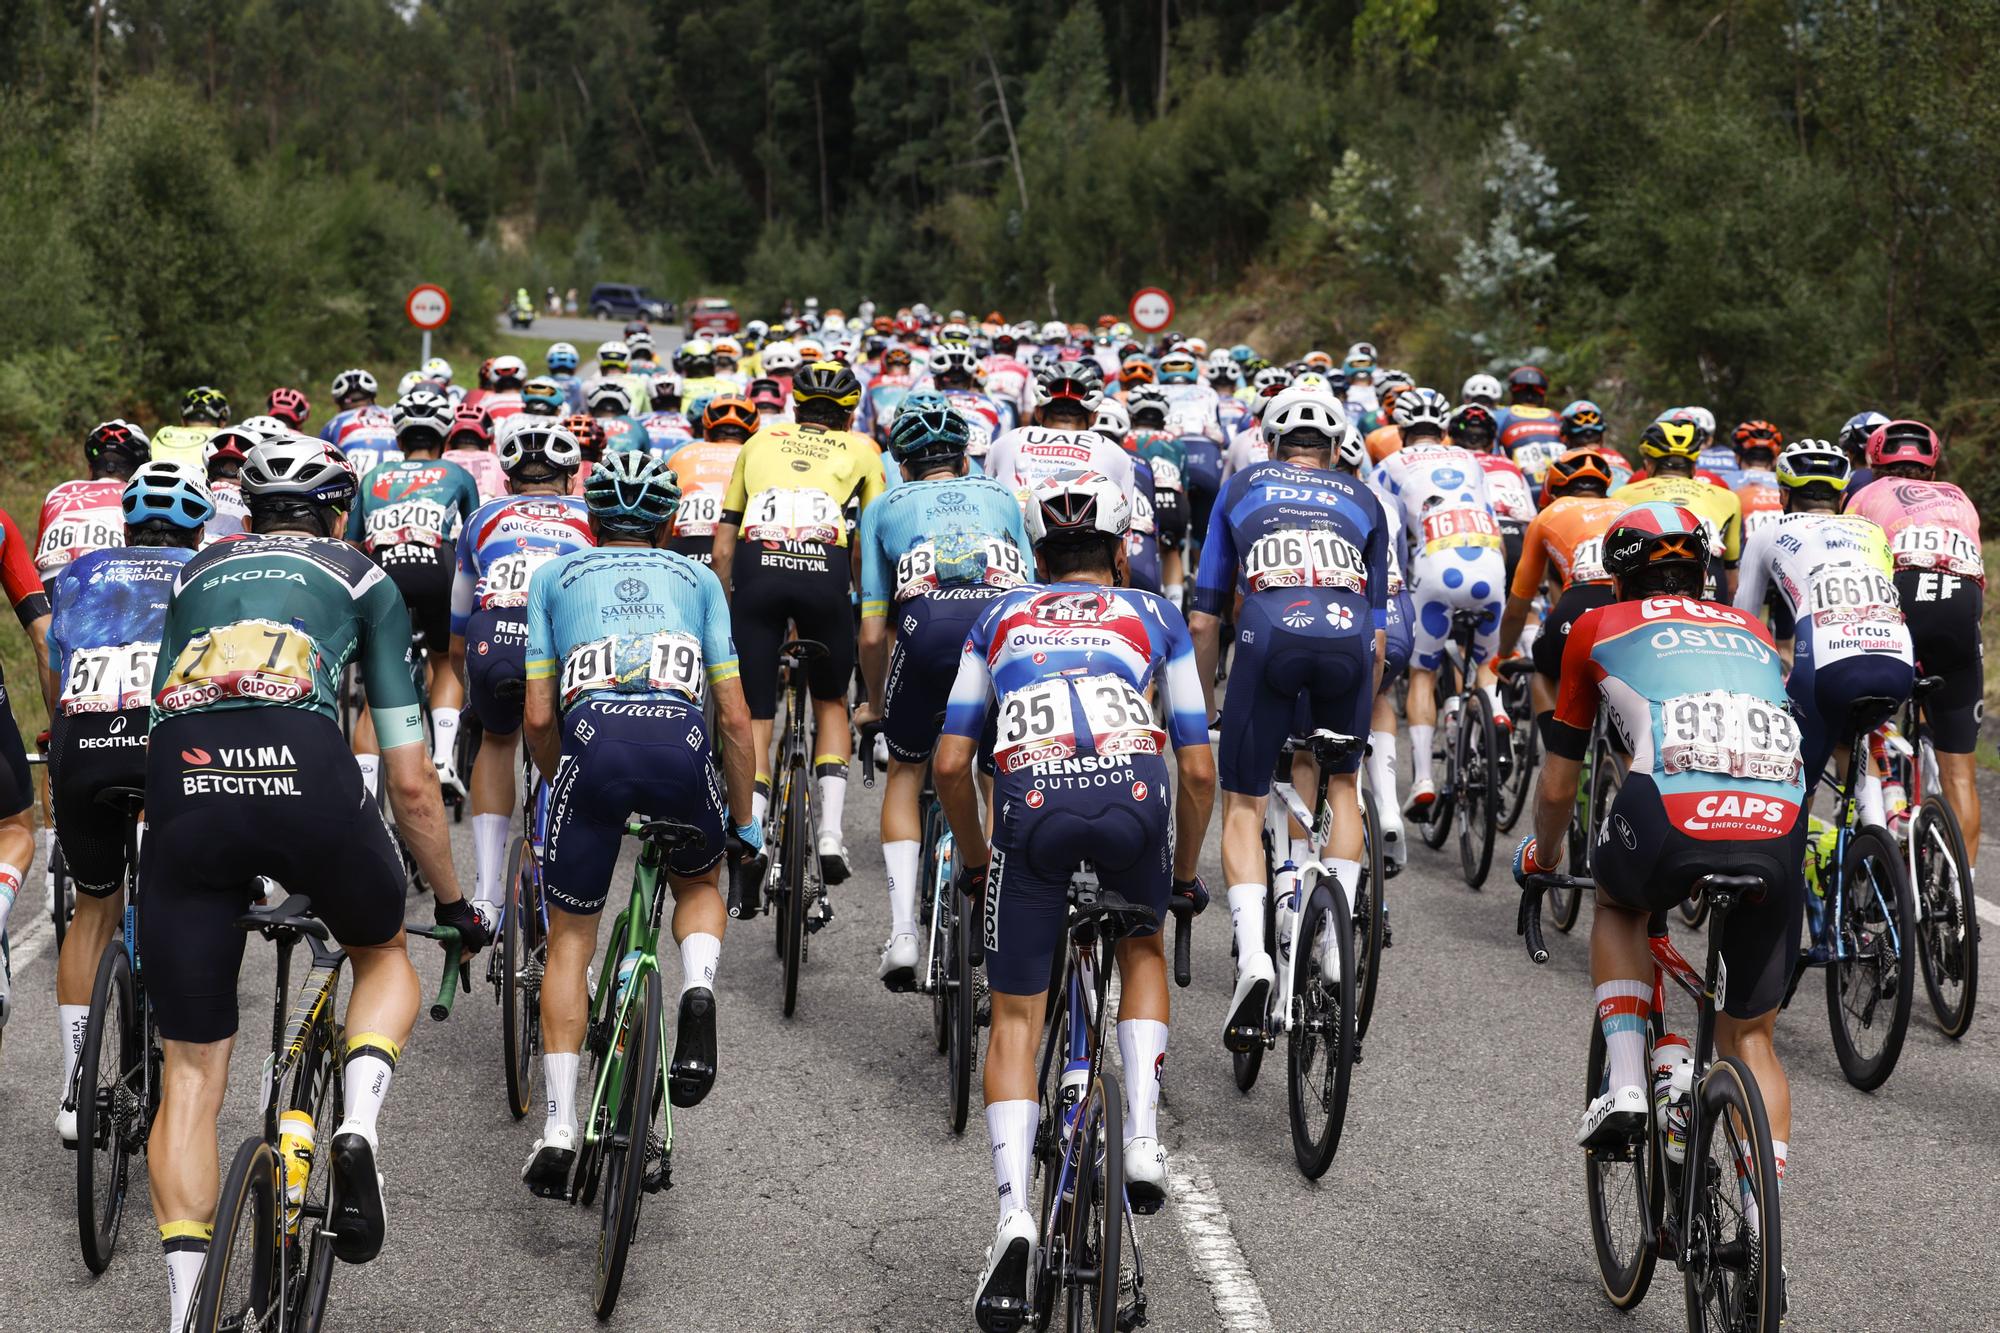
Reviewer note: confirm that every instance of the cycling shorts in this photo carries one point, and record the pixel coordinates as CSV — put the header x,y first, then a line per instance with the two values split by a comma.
x,y
1822,696
423,575
1463,578
237,794
1547,654
694,548
622,758
930,633
496,651
1513,534
1402,617
1296,668
1644,862
1142,563
805,588
89,752
1201,472
1112,812
17,789
1170,517
1943,614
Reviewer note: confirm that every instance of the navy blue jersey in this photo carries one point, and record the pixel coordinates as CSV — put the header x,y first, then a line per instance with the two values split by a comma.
x,y
1280,528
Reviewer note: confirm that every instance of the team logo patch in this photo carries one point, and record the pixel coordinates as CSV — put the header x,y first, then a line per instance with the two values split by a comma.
x,y
1341,615
1034,798
1625,834
1298,615
1138,791
196,757
1041,658
631,590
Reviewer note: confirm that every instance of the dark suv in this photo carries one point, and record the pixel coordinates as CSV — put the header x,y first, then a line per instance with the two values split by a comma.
x,y
625,300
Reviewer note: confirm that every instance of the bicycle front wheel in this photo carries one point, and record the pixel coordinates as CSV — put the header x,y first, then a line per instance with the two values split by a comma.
x,y
1097,1220
523,951
1627,1198
1371,917
1320,1046
798,846
961,1005
1476,785
242,1282
629,1124
1736,1278
1525,747
110,1091
1948,936
1869,990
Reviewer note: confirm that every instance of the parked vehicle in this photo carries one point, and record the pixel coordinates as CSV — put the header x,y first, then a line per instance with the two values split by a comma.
x,y
625,300
712,314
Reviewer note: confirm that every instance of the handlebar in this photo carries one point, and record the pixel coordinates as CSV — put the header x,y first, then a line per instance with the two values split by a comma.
x,y
864,746
1515,666
1183,911
457,971
1529,923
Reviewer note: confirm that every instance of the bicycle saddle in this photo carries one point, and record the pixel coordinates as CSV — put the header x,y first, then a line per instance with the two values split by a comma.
x,y
511,691
1871,711
1723,891
1463,620
127,801
806,650
665,833
1110,914
292,914
1925,685
1326,747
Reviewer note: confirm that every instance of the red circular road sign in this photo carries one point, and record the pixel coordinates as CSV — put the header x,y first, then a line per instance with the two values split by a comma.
x,y
427,306
1151,309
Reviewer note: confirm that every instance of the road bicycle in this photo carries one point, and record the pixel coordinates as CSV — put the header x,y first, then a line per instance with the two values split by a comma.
x,y
1596,791
1523,742
628,1136
1466,758
521,951
1317,1014
1715,1213
1940,872
270,1264
116,1088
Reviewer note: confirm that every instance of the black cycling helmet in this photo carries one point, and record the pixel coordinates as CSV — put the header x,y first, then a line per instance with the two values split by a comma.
x,y
116,444
827,382
1658,547
1527,383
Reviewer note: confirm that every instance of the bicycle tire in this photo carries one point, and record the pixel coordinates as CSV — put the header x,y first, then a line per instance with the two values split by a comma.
x,y
1244,1066
1476,786
316,1090
798,846
1098,1217
1948,934
62,905
1323,1020
961,999
1624,1265
1729,1096
625,1163
1694,909
104,1110
934,932
245,1211
1525,745
1371,916
520,993
1872,972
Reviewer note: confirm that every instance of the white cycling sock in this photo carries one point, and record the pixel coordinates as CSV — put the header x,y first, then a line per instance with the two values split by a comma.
x,y
187,1251
832,792
1382,770
1010,1126
700,952
559,1078
1172,592
71,1019
1246,915
10,885
1868,792
1142,1046
760,800
45,849
902,857
371,1061
444,737
489,857
1420,751
1349,875
1622,1007
371,766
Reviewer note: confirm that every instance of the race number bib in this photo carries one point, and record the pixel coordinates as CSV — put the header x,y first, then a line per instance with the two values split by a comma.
x,y
1934,546
407,523
1295,558
990,561
1756,520
70,537
1120,720
1035,726
106,680
258,660
669,660
1586,562
1534,457
1847,592
1167,475
506,580
1465,526
792,516
1722,732
698,514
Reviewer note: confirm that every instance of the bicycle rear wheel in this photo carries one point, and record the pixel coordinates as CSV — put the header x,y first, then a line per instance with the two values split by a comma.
x,y
1434,833
1869,992
1626,1195
1097,1218
936,932
792,896
110,1086
625,1141
1525,748
1371,917
961,1003
1320,1045
316,1090
63,907
523,951
1736,1278
1948,937
1476,784
242,1282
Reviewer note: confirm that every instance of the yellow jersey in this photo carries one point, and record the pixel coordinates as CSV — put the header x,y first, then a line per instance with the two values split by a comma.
x,y
793,480
1716,506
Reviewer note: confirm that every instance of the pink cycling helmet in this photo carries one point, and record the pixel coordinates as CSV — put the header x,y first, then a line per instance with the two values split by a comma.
x,y
1904,442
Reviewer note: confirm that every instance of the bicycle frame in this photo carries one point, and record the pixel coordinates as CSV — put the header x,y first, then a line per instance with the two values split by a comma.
x,y
944,867
318,996
1304,879
614,1001
795,765
1834,883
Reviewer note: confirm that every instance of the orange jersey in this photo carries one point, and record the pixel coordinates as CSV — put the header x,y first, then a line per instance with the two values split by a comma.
x,y
703,467
1383,441
1761,499
1570,535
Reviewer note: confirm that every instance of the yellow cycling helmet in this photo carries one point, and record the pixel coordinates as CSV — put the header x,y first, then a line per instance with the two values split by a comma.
x,y
1670,439
826,381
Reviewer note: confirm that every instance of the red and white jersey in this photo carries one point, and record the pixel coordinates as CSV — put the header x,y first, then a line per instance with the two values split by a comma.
x,y
1507,487
1027,456
79,517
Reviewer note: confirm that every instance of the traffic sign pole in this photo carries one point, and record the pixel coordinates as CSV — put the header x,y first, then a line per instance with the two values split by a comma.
x,y
428,307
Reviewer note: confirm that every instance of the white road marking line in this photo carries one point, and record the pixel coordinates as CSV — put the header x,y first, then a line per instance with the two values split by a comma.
x,y
29,942
1219,1261
1988,912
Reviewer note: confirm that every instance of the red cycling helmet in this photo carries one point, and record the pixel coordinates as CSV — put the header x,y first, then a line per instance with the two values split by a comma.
x,y
289,406
1904,442
471,419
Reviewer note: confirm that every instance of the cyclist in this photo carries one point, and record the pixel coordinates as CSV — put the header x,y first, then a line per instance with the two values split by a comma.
x,y
543,397
1379,429
469,444
780,361
1060,440
1471,429
439,372
204,411
1941,583
1583,428
624,643
1838,618
23,587
1528,431
1193,407
667,427
1670,449
563,359
703,468
504,542
407,516
88,514
611,403
508,376
107,609
781,553
1481,389
1080,777
645,359
252,777
1714,788
289,406
1565,544
590,440
222,465
1854,443
955,374
934,552
353,405
1307,549
1758,492
1400,617
1460,564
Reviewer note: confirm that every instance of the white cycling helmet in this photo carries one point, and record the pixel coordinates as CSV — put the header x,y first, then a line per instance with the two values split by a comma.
x,y
264,427
298,467
1353,449
351,382
953,359
1054,331
1073,506
615,350
1149,398
439,369
505,368
410,380
1422,407
1296,409
1482,389
1314,383
781,358
608,394
1112,419
540,439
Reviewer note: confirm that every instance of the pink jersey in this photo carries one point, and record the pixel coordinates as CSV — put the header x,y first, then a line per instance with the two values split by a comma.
x,y
79,517
484,465
1931,525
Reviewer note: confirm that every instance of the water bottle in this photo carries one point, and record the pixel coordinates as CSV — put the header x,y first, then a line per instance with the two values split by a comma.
x,y
295,1150
1286,915
1070,1090
626,966
1673,1083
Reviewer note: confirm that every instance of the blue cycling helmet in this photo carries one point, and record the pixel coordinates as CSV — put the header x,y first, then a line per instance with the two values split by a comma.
x,y
162,491
1241,352
1854,435
923,400
632,493
562,357
929,437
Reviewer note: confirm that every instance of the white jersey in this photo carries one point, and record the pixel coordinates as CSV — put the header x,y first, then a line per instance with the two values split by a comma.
x,y
1193,409
1392,512
1834,577
1246,450
1027,456
1441,490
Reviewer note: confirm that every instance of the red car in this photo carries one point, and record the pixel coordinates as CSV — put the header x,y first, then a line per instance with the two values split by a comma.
x,y
708,315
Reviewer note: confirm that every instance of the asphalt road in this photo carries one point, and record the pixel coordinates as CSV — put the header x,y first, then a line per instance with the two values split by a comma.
x,y
585,333
818,1186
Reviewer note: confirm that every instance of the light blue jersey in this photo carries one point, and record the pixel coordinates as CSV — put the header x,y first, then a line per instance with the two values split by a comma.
x,y
634,621
950,531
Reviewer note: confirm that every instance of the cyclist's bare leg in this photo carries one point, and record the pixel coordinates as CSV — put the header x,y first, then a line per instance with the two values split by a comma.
x,y
1618,947
384,1000
1749,1040
447,691
92,927
1242,838
1420,710
1010,1047
180,1149
1955,775
698,905
1142,978
760,747
565,1002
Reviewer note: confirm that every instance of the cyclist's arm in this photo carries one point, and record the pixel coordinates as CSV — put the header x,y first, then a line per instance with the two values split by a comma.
x,y
722,545
1528,575
1213,581
1753,575
355,527
1181,686
1567,736
539,715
